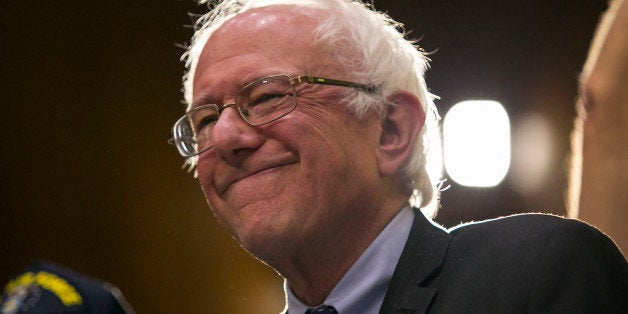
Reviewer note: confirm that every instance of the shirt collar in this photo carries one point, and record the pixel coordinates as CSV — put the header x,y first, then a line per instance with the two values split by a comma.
x,y
362,290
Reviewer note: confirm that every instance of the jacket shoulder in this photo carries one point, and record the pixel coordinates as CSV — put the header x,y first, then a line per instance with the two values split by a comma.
x,y
526,225
530,233
561,265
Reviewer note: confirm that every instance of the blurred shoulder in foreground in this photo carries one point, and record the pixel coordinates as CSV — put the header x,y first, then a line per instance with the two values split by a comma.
x,y
597,191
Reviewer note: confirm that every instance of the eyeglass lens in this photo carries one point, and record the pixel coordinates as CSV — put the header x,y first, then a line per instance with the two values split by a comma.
x,y
258,103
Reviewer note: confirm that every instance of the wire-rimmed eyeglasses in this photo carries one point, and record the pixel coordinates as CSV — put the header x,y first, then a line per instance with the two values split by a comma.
x,y
259,102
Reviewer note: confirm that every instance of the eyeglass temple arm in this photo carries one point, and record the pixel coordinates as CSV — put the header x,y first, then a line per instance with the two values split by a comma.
x,y
326,81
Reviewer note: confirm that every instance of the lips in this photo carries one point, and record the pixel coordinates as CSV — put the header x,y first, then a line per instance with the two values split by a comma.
x,y
229,176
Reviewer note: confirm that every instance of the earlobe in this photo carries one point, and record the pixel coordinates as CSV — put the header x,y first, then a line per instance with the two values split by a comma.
x,y
401,126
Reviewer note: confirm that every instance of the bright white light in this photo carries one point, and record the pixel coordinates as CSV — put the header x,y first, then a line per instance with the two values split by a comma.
x,y
476,136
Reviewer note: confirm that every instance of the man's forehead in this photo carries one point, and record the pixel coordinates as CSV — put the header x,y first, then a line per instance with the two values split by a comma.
x,y
259,29
272,30
283,19
256,43
276,31
276,39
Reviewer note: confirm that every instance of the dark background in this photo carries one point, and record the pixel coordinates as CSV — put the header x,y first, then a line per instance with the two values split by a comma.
x,y
89,91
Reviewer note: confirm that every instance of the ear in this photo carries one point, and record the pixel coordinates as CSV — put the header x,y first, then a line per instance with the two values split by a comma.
x,y
400,129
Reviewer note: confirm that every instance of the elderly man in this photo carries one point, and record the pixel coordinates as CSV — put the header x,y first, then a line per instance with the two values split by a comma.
x,y
313,134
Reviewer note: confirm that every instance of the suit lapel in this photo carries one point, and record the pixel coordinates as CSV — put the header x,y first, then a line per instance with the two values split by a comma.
x,y
421,259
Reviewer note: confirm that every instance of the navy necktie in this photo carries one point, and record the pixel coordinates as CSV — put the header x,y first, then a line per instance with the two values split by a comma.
x,y
323,309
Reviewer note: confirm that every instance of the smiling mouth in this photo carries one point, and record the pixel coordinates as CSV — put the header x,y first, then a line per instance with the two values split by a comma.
x,y
262,171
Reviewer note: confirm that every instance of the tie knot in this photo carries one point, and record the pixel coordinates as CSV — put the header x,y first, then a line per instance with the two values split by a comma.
x,y
323,309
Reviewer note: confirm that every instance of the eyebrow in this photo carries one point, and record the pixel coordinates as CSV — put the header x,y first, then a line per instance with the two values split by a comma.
x,y
205,99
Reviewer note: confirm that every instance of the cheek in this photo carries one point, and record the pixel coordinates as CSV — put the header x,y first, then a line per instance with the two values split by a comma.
x,y
206,168
205,172
221,210
315,125
331,150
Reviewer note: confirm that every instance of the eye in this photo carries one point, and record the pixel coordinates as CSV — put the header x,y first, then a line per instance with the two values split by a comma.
x,y
205,121
267,99
263,99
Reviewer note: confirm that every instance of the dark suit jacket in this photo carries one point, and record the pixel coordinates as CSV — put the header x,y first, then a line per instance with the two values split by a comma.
x,y
518,264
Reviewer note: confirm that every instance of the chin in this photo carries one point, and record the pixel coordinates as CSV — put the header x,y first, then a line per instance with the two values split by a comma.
x,y
265,246
264,233
259,225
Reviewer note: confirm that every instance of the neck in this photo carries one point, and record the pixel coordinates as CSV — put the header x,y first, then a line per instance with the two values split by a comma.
x,y
317,269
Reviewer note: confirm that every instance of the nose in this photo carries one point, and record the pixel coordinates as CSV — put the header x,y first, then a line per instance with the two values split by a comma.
x,y
234,139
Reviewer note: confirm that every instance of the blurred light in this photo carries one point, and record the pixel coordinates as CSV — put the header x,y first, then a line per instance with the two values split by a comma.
x,y
532,154
476,135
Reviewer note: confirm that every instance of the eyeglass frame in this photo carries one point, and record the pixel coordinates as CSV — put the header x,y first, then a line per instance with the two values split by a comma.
x,y
294,81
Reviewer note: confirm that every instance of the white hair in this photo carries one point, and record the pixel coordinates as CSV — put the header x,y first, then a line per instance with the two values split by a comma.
x,y
385,59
